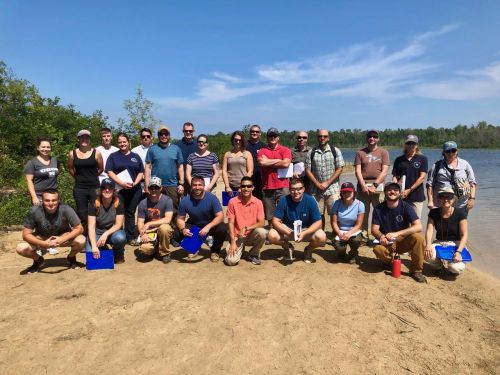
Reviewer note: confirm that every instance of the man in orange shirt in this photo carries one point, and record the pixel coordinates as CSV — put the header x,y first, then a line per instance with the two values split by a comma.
x,y
245,215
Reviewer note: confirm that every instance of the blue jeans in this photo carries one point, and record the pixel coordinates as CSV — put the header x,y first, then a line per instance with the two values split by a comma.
x,y
117,240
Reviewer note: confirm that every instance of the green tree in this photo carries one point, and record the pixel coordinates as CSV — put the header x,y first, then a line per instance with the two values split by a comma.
x,y
140,114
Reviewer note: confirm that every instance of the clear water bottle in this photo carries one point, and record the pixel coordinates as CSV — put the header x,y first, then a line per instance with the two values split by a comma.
x,y
210,241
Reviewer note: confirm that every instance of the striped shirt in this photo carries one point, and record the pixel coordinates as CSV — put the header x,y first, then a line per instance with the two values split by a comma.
x,y
322,167
202,166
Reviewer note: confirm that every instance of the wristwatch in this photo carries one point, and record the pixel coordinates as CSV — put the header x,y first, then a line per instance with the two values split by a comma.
x,y
375,184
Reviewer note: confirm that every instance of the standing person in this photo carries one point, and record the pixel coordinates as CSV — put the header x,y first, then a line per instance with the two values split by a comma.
x,y
237,163
106,149
50,225
371,166
398,230
254,145
451,227
292,207
454,172
245,216
41,172
130,187
271,158
106,223
346,218
155,216
324,165
164,160
146,136
187,145
203,163
203,210
85,165
299,156
413,165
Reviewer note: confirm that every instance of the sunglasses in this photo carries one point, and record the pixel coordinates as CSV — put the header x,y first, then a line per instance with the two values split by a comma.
x,y
255,131
453,150
237,140
322,136
164,134
447,197
272,136
246,186
411,143
145,136
299,138
154,187
188,131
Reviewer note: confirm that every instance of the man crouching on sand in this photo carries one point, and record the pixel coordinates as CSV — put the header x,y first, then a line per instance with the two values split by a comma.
x,y
50,226
398,229
293,207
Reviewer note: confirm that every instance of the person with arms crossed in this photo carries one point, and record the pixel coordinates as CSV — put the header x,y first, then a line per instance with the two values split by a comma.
x,y
398,229
105,149
187,145
292,207
253,146
146,136
299,156
50,225
245,216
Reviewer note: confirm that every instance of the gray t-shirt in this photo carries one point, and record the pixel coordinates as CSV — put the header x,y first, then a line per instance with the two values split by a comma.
x,y
106,217
45,225
44,176
150,211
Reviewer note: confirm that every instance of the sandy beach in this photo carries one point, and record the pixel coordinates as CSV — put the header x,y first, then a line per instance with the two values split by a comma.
x,y
201,317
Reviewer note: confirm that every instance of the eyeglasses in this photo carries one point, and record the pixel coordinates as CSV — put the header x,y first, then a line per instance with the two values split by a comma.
x,y
299,138
163,134
145,136
255,131
447,197
322,136
246,186
296,189
453,150
188,131
202,142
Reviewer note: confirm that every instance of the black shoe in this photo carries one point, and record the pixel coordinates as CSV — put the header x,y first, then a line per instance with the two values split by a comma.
x,y
72,263
418,277
37,264
166,259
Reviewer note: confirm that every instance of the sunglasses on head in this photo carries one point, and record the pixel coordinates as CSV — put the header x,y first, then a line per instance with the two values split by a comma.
x,y
453,150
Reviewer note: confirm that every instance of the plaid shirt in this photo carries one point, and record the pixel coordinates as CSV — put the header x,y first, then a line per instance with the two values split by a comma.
x,y
323,166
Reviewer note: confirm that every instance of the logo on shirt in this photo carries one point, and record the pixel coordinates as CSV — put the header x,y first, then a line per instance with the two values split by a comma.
x,y
399,218
154,214
134,160
416,164
372,158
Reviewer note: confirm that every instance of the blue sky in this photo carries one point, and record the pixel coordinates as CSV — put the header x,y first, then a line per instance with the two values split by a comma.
x,y
289,64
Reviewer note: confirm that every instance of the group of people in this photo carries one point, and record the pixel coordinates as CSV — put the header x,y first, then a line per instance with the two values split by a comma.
x,y
170,187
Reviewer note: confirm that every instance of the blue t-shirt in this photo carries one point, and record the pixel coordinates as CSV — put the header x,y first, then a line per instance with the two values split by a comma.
x,y
395,219
186,148
347,215
201,211
118,162
164,162
306,210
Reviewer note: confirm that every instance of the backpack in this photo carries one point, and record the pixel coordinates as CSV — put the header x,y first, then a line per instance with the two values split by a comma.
x,y
334,153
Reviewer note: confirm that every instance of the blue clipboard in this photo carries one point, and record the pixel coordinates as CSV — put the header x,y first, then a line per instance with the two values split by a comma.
x,y
226,198
105,262
193,244
447,252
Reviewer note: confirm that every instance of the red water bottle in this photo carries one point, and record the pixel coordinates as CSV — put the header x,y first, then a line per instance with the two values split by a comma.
x,y
396,266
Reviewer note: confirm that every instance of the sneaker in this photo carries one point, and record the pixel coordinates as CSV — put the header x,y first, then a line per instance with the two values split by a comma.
x,y
352,260
214,257
192,255
288,253
255,260
418,277
166,259
352,257
308,258
37,264
72,262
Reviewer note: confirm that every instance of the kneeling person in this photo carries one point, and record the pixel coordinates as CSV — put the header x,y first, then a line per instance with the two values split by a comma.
x,y
245,215
398,229
154,217
105,223
297,206
51,225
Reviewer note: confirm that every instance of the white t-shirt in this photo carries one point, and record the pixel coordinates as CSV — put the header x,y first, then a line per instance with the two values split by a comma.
x,y
105,154
141,151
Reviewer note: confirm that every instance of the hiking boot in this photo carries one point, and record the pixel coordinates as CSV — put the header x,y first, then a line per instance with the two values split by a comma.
x,y
308,255
191,256
255,260
166,259
352,257
72,263
214,257
418,277
37,264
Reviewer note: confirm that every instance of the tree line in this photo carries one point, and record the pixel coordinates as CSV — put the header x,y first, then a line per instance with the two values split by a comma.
x,y
26,115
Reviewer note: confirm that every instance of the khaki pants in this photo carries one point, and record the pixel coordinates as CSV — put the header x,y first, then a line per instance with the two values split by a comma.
x,y
417,206
413,244
162,242
256,239
369,200
325,202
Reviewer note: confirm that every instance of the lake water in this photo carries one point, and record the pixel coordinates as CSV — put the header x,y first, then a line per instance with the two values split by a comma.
x,y
484,218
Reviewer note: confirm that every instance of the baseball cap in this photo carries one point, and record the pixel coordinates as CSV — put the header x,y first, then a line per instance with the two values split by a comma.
x,y
273,131
347,186
83,132
446,190
107,182
163,127
155,181
371,131
449,145
392,184
411,138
